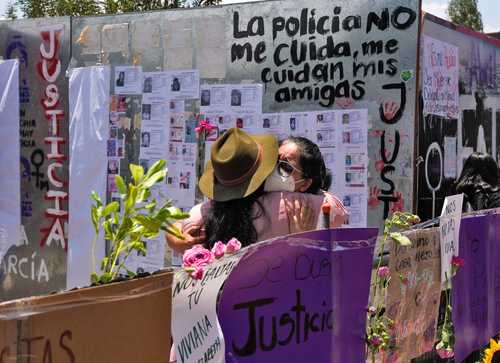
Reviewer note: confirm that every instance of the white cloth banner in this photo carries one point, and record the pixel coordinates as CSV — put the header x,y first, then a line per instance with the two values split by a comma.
x,y
10,182
440,78
88,135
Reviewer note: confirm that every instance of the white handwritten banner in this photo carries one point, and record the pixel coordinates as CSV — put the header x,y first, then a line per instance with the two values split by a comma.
x,y
449,229
198,337
440,78
10,179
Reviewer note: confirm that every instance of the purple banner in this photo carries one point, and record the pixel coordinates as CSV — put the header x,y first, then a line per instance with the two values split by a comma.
x,y
302,297
476,287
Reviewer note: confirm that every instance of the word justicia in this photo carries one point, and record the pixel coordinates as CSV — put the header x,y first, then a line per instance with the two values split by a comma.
x,y
267,333
50,70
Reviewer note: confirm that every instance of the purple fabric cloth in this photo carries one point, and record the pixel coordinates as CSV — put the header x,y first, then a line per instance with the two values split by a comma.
x,y
302,298
476,287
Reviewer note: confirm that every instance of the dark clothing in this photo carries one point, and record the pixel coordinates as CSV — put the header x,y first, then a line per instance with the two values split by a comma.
x,y
483,199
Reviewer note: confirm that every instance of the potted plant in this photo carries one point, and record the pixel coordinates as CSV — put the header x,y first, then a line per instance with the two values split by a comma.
x,y
91,324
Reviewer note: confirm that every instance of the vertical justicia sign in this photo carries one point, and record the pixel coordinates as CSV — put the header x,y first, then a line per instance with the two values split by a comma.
x,y
49,69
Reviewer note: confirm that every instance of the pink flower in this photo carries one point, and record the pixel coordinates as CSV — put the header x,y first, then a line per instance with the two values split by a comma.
x,y
383,272
376,340
457,261
197,256
233,245
445,353
197,273
372,310
219,249
204,126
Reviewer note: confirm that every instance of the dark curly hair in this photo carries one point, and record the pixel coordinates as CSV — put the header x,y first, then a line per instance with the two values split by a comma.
x,y
480,171
234,218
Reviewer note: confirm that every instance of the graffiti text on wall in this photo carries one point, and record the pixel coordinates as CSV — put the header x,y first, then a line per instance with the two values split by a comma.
x,y
49,69
311,58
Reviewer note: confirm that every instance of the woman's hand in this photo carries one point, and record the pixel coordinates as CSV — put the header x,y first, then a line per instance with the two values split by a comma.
x,y
193,234
301,216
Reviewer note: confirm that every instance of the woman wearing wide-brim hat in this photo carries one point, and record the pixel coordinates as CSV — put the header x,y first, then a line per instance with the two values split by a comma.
x,y
238,206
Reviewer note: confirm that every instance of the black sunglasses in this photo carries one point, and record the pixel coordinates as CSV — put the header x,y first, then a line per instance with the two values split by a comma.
x,y
285,169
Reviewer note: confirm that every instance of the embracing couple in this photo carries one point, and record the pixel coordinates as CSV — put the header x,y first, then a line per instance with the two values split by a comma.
x,y
258,189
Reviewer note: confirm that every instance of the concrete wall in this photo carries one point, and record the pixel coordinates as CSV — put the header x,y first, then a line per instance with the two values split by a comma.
x,y
355,54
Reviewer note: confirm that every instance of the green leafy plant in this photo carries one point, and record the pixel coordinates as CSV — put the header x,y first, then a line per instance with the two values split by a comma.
x,y
142,218
379,325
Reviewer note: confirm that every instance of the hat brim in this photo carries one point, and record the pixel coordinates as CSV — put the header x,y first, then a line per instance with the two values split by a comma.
x,y
218,192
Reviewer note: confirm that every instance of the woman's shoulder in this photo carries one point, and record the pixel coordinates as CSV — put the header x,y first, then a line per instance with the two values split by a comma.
x,y
196,214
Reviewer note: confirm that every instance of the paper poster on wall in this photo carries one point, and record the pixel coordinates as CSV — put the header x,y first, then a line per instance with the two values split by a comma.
x,y
342,137
296,123
155,86
246,98
440,78
183,84
128,80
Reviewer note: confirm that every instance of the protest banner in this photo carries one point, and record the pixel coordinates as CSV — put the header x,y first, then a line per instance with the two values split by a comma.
x,y
413,295
476,286
302,297
449,229
440,78
196,330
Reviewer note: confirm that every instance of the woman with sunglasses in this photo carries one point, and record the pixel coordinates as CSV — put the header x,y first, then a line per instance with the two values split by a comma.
x,y
239,203
301,168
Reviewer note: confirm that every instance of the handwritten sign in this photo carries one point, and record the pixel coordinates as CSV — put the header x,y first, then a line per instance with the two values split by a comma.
x,y
300,298
196,330
440,78
449,228
414,294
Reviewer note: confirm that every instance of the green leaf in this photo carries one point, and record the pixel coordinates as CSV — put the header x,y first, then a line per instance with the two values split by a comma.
x,y
105,277
137,173
131,198
96,198
156,167
95,218
120,184
104,262
155,178
151,206
176,213
110,208
148,222
401,239
174,231
94,278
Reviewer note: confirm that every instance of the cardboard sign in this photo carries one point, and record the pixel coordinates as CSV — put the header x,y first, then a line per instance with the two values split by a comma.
x,y
414,293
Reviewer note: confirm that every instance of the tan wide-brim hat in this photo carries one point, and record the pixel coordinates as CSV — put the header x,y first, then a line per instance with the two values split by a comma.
x,y
239,164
